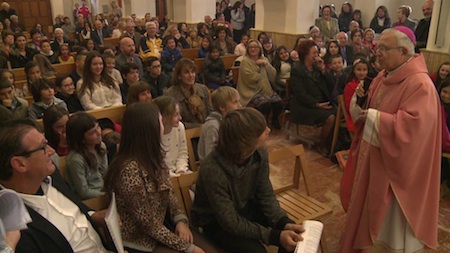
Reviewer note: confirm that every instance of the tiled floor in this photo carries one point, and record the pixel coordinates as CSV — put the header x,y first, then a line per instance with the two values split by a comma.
x,y
325,177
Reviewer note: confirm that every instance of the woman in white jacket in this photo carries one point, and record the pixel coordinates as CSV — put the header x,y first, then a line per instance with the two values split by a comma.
x,y
97,89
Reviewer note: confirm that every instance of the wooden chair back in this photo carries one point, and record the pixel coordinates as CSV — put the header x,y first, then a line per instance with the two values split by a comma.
x,y
114,113
228,61
60,68
340,121
192,134
235,72
97,203
185,182
176,188
293,152
200,67
190,53
63,167
111,41
298,205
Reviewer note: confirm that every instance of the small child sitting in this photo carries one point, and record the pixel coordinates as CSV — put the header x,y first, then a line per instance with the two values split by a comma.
x,y
130,76
44,97
173,141
215,74
110,61
224,99
170,55
47,51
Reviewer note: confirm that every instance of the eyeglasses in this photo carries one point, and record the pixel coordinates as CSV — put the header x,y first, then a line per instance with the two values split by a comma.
x,y
29,153
156,67
385,49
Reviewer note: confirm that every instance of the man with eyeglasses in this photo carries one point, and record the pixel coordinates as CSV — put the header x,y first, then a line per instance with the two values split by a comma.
x,y
61,222
393,172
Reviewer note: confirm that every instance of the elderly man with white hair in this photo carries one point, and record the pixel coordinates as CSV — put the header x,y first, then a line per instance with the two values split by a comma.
x,y
151,45
58,40
6,11
391,182
16,26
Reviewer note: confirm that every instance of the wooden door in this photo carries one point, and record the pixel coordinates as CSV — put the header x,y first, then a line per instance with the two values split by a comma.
x,y
31,12
161,9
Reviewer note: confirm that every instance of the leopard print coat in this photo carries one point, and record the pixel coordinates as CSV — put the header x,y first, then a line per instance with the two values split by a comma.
x,y
142,205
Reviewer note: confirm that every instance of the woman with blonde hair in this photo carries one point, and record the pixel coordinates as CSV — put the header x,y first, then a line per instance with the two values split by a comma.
x,y
256,79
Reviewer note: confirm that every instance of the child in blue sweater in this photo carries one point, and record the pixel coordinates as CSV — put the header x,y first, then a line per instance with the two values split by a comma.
x,y
170,55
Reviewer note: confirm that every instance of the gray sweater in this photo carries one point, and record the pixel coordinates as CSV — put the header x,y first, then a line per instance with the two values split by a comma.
x,y
86,182
225,191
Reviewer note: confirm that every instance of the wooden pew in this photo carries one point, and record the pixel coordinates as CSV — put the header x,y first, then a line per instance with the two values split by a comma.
x,y
190,53
60,68
114,113
228,61
111,41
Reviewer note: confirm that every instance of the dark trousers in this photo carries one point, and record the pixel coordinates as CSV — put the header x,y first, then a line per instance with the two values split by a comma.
x,y
233,243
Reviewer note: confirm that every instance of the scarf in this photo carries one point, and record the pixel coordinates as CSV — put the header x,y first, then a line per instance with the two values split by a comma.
x,y
195,102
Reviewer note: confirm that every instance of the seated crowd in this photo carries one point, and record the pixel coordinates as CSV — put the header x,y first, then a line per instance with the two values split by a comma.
x,y
165,96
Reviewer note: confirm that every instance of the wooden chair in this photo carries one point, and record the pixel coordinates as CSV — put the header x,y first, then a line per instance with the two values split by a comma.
x,y
191,134
341,121
200,67
299,205
63,167
185,182
235,72
228,61
97,203
299,129
176,188
190,53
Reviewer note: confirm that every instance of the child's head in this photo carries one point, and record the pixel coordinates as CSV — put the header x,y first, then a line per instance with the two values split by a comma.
x,y
82,132
206,42
170,111
244,39
6,92
444,91
89,44
110,61
282,53
32,71
360,69
45,47
225,99
64,85
42,90
64,49
169,42
193,33
241,133
443,71
153,66
55,120
110,49
369,34
214,52
8,74
375,63
139,92
336,63
130,72
319,40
